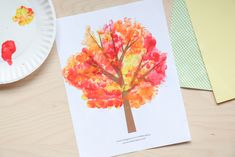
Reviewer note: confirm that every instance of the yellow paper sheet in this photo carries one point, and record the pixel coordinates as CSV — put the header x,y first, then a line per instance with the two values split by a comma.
x,y
214,25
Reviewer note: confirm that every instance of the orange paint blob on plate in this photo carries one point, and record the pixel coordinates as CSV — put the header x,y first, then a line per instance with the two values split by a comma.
x,y
23,16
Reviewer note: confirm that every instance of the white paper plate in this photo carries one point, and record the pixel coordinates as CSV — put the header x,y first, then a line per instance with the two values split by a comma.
x,y
33,41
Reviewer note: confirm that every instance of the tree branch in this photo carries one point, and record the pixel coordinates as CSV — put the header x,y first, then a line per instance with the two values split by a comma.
x,y
137,71
144,64
126,49
146,80
133,43
106,73
117,69
115,51
132,87
114,46
93,38
100,41
148,72
101,47
143,77
123,52
123,55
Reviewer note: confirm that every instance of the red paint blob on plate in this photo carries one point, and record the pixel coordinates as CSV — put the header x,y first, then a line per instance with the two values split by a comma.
x,y
8,48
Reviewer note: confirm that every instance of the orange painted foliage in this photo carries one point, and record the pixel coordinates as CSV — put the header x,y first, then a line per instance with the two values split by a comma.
x,y
118,62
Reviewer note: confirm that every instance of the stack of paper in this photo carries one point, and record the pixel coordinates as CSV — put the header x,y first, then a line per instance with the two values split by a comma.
x,y
214,24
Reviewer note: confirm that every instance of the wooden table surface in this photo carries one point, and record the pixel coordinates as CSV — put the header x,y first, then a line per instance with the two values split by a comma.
x,y
35,120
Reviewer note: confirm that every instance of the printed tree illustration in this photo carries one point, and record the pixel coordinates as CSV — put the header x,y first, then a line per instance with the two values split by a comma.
x,y
118,66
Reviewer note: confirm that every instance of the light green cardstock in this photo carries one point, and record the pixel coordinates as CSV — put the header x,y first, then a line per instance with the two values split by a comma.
x,y
190,66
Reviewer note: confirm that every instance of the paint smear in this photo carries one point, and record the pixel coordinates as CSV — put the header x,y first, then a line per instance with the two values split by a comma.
x,y
24,16
8,48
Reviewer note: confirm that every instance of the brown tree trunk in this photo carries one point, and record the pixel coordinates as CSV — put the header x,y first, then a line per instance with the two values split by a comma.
x,y
128,114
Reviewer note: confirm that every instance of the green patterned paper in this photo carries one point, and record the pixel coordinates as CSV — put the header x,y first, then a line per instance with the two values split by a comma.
x,y
190,66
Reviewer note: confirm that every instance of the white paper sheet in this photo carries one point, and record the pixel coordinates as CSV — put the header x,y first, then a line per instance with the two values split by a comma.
x,y
103,132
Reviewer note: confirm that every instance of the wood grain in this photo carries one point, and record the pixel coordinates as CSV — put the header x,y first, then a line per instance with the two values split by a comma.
x,y
35,119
